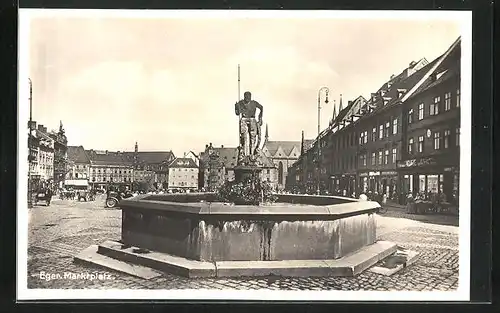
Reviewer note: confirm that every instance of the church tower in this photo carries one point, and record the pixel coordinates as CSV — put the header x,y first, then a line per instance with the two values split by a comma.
x,y
302,144
136,156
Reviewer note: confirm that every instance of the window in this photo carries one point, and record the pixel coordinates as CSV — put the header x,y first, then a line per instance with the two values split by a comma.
x,y
365,136
387,128
457,136
374,134
420,111
380,157
458,98
420,144
410,146
394,155
434,107
361,138
374,158
395,126
447,139
381,132
437,140
447,101
363,159
386,157
410,116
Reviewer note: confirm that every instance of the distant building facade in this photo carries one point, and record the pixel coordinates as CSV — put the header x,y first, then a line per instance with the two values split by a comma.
x,y
78,163
282,154
60,155
217,166
183,174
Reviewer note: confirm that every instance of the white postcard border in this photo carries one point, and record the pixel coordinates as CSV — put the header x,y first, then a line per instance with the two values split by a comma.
x,y
461,294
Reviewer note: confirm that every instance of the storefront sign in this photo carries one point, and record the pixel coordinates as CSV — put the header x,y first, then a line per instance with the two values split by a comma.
x,y
449,169
374,174
389,173
415,162
363,174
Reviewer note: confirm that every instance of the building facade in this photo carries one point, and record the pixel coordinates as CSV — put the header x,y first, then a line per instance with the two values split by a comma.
x,y
282,154
60,155
45,155
183,174
109,168
404,138
217,166
79,163
431,156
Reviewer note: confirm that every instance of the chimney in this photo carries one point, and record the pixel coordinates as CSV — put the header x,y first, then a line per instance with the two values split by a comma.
x,y
40,127
222,146
106,151
45,129
412,64
206,146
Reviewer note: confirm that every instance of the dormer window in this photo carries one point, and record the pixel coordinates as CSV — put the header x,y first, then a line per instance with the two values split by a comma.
x,y
401,92
389,84
386,100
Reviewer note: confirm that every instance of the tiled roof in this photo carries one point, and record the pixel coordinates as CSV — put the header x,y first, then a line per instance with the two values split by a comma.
x,y
286,146
77,154
183,163
154,157
109,157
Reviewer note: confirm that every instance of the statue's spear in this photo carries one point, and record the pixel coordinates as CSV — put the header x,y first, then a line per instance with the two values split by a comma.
x,y
239,120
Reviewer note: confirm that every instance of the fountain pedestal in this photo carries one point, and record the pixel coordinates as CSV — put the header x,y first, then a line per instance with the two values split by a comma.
x,y
296,236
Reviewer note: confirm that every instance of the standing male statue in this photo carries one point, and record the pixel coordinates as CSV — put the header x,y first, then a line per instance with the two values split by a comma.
x,y
248,124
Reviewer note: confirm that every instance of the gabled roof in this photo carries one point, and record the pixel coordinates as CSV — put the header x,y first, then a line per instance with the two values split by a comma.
x,y
183,163
286,146
77,154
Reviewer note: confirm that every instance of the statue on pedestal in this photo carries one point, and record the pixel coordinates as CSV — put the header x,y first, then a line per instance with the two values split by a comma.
x,y
250,134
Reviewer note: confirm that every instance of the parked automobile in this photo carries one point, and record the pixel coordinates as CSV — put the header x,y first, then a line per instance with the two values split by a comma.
x,y
43,195
113,199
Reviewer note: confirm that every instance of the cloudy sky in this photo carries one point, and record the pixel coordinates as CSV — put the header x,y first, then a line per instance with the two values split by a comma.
x,y
171,83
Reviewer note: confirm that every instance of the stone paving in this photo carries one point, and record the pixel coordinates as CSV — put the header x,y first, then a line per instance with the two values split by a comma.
x,y
59,232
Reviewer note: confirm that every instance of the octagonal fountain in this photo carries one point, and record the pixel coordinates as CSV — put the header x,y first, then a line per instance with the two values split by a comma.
x,y
243,229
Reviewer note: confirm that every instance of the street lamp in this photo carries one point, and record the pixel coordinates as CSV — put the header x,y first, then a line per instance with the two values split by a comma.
x,y
30,195
326,91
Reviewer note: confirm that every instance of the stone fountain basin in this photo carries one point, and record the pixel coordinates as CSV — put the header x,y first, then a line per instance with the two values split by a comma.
x,y
297,227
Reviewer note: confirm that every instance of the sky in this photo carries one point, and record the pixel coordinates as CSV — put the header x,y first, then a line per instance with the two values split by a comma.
x,y
171,83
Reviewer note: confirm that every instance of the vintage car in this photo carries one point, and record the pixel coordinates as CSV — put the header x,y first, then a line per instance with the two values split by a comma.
x,y
85,195
114,197
43,195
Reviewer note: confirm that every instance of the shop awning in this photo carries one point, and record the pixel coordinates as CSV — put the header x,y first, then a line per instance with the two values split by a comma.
x,y
76,182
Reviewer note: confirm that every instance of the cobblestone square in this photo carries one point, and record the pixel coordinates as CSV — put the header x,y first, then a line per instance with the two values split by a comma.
x,y
60,231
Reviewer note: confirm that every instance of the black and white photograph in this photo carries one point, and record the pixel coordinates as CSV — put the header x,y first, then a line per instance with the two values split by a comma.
x,y
244,155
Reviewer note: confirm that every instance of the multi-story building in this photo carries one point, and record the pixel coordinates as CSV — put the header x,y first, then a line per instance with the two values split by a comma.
x,y
110,167
283,154
45,154
78,164
380,130
150,167
217,166
398,135
33,142
299,176
183,174
431,142
60,155
342,148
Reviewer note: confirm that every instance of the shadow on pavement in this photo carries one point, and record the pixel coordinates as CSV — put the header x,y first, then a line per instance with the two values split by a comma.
x,y
438,219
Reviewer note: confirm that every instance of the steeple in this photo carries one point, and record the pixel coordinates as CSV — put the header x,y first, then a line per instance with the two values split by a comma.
x,y
334,110
302,144
136,147
266,136
340,104
61,128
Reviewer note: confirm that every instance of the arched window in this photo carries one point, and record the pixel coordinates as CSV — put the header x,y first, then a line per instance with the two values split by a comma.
x,y
280,173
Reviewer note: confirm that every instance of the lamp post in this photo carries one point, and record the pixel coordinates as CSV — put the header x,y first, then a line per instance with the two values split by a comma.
x,y
326,91
30,142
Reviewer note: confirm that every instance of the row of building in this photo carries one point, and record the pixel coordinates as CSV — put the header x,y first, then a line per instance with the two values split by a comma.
x,y
404,139
47,156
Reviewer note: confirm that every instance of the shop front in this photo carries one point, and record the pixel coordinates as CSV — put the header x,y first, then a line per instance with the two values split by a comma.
x,y
429,176
343,185
381,182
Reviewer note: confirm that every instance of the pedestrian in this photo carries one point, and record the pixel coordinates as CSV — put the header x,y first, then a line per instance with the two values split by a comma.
x,y
363,197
